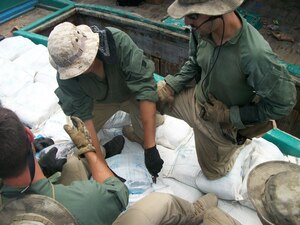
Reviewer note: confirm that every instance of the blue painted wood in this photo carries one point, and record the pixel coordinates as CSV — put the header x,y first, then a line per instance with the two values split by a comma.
x,y
16,11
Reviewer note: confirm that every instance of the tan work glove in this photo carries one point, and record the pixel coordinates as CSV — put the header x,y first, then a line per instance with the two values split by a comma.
x,y
215,111
165,95
165,92
80,136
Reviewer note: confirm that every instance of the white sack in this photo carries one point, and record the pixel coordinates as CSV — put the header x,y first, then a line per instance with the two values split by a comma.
x,y
53,127
169,156
113,126
34,104
118,120
48,78
185,167
173,132
227,187
36,60
13,78
131,166
12,47
234,185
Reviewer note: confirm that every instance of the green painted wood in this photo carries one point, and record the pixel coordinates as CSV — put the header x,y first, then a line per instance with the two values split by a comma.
x,y
35,38
288,144
57,4
65,5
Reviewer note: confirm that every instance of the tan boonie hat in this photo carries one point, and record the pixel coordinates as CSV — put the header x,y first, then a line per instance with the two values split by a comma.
x,y
35,210
181,8
72,49
274,190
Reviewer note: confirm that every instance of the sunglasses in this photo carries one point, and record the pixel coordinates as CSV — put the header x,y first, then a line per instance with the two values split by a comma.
x,y
193,16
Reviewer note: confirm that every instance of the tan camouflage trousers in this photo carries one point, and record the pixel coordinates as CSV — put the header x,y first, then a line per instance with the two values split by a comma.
x,y
216,153
158,209
102,113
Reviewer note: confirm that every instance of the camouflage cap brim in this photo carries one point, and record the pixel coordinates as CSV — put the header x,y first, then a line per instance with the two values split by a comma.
x,y
181,8
35,209
256,184
72,49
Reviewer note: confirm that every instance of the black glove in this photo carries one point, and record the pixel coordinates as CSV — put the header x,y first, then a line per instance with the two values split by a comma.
x,y
41,143
50,164
153,161
114,146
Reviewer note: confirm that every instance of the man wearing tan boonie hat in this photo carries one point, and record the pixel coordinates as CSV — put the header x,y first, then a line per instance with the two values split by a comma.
x,y
102,71
237,81
274,189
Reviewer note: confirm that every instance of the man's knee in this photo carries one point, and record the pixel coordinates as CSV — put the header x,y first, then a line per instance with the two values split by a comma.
x,y
73,170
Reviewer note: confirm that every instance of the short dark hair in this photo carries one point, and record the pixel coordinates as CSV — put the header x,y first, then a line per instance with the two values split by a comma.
x,y
14,144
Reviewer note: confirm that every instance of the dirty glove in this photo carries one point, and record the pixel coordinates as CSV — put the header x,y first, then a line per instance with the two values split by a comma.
x,y
80,136
50,164
215,111
165,92
153,161
165,95
41,143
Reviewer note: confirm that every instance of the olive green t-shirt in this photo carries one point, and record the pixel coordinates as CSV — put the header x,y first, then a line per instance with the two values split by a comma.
x,y
236,72
131,76
88,201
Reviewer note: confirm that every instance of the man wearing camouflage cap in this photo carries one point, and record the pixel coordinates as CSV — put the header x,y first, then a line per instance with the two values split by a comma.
x,y
274,190
240,83
101,71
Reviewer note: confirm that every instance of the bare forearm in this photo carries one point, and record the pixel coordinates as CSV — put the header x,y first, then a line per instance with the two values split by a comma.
x,y
100,171
96,143
147,114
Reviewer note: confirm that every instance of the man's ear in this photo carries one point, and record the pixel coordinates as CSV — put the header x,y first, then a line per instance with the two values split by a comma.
x,y
29,134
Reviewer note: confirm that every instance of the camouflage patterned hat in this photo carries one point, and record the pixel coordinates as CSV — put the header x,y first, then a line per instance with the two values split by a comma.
x,y
181,8
72,49
35,210
274,190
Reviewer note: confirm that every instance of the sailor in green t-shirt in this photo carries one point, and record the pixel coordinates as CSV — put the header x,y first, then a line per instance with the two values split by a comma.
x,y
102,71
241,85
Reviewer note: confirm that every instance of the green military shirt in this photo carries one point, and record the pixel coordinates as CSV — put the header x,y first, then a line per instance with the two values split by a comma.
x,y
131,76
236,72
88,201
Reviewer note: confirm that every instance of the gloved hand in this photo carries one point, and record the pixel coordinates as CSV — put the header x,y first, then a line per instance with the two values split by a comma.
x,y
215,111
165,95
41,143
153,161
114,146
50,164
80,136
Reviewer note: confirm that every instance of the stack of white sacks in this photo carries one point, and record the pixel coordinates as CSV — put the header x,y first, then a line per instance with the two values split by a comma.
x,y
27,84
